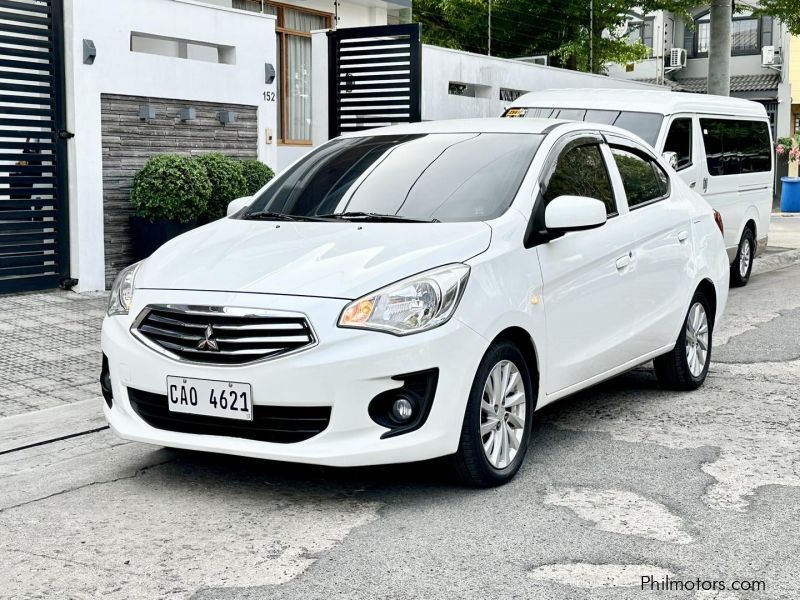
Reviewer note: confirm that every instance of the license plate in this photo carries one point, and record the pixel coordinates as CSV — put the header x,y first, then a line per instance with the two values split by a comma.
x,y
226,399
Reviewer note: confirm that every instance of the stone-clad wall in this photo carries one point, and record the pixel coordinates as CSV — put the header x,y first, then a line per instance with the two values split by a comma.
x,y
129,141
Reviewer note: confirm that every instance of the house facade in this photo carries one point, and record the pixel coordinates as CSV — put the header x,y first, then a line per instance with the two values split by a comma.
x,y
760,52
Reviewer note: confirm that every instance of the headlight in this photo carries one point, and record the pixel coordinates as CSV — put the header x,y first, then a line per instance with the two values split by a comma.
x,y
412,305
119,303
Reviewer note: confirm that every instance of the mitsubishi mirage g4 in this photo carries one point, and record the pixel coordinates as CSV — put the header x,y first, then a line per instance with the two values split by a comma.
x,y
415,292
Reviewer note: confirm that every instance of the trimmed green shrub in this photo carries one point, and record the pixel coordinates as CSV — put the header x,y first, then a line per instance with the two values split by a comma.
x,y
171,187
227,182
257,175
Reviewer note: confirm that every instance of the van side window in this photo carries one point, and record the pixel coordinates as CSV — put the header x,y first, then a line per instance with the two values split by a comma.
x,y
581,171
679,141
644,181
734,147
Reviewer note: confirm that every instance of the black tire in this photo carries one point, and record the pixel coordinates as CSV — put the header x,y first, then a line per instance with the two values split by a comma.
x,y
672,369
740,274
470,464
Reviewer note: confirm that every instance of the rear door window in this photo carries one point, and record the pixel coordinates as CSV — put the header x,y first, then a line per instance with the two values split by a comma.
x,y
643,179
679,141
734,147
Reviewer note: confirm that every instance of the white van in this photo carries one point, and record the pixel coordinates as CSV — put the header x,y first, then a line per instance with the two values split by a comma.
x,y
721,147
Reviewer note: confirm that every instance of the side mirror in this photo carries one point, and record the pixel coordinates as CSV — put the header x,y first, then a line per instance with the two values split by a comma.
x,y
236,205
574,213
671,159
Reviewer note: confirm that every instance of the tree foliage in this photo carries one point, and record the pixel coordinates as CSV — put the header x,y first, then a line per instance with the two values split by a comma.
x,y
787,11
560,28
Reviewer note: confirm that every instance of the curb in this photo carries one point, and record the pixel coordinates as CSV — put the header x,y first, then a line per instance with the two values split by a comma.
x,y
26,430
773,262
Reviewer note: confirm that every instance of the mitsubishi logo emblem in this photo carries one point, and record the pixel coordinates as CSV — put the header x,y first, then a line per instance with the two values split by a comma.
x,y
209,342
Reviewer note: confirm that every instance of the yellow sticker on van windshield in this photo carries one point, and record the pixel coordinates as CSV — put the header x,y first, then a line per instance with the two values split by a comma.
x,y
516,112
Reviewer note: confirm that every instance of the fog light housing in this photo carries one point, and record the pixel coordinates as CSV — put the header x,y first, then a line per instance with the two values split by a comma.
x,y
402,410
105,383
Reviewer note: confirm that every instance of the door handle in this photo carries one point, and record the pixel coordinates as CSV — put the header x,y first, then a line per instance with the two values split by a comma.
x,y
623,261
682,236
693,184
705,184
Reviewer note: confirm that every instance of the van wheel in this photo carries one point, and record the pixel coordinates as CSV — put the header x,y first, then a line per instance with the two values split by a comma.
x,y
497,420
743,264
685,367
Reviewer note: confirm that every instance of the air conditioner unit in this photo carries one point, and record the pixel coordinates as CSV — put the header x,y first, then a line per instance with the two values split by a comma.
x,y
677,58
770,56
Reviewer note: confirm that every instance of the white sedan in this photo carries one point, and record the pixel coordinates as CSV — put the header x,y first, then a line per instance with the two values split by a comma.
x,y
414,292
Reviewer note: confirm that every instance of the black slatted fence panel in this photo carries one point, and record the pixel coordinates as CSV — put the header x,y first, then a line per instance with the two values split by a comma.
x,y
33,211
375,77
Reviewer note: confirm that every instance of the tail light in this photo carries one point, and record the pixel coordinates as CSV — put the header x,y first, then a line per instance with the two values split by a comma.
x,y
718,221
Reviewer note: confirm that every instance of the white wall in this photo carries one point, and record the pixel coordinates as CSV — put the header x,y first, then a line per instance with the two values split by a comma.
x,y
442,65
117,70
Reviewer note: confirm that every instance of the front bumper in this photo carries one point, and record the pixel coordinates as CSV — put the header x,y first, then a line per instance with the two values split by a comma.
x,y
345,371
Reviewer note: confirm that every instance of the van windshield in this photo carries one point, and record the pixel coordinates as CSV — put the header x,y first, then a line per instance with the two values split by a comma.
x,y
645,125
422,177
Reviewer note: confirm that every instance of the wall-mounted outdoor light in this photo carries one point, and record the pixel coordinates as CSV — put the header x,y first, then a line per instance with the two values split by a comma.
x,y
147,112
270,73
188,114
89,52
227,116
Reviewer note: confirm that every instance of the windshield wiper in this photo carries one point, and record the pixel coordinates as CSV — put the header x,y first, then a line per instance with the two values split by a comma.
x,y
377,217
275,216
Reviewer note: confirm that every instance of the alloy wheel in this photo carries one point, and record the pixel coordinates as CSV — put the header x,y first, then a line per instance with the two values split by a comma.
x,y
502,414
745,255
697,336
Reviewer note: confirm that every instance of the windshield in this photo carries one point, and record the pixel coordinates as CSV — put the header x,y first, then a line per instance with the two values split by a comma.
x,y
645,125
424,177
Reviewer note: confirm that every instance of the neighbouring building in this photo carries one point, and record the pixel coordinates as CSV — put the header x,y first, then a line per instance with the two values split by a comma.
x,y
793,69
679,58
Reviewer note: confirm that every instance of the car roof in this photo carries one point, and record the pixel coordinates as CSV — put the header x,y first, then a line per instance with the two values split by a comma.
x,y
652,101
496,125
488,125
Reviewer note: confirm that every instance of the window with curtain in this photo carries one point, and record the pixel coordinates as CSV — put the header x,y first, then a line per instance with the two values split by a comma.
x,y
703,34
293,64
251,5
294,29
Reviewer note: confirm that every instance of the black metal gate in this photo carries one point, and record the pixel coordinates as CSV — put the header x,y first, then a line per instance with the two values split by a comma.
x,y
374,77
34,244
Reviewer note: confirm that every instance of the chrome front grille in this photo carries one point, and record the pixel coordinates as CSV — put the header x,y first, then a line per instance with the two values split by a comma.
x,y
222,335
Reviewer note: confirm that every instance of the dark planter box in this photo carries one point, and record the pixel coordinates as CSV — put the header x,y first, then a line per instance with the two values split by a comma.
x,y
148,236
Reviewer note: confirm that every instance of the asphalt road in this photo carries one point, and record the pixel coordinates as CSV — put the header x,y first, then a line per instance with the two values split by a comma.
x,y
622,481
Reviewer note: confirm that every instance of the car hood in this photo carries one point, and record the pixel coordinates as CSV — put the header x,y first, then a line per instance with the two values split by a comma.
x,y
334,260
